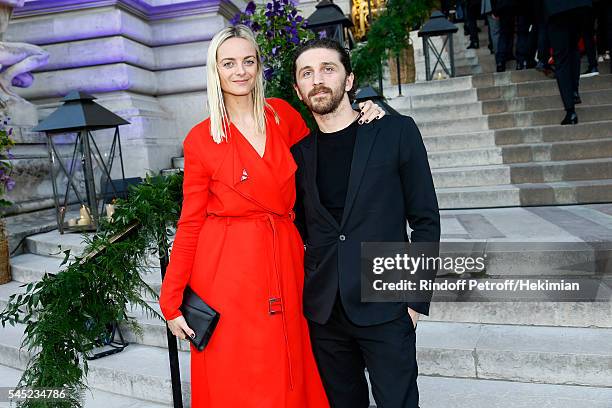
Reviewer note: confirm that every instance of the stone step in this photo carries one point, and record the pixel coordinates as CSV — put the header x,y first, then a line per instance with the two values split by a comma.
x,y
559,314
431,87
140,372
468,149
524,76
536,103
9,377
459,47
453,126
473,140
585,113
153,328
441,99
521,173
552,355
430,114
482,394
23,225
29,267
554,193
465,157
469,70
461,61
471,176
553,133
437,392
571,150
541,87
433,124
54,244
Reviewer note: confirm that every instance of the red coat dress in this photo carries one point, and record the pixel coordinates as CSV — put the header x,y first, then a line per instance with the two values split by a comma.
x,y
237,247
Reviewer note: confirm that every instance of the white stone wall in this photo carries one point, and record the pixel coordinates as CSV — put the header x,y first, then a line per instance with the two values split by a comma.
x,y
144,65
144,71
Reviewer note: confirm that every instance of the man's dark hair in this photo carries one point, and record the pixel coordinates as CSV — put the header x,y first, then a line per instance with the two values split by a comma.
x,y
329,44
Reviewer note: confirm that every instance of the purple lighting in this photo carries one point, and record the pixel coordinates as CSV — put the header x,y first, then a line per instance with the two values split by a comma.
x,y
149,11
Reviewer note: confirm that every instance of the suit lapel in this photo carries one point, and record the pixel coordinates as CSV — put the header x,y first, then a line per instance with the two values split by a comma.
x,y
310,160
366,135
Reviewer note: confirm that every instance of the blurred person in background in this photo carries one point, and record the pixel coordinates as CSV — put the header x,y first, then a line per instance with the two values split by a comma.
x,y
566,21
505,11
486,9
588,36
473,13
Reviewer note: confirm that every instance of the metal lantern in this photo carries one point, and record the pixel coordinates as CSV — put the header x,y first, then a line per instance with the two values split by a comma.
x,y
438,26
328,21
81,165
367,93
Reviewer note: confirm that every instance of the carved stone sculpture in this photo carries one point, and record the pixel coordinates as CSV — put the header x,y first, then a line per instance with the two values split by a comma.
x,y
17,60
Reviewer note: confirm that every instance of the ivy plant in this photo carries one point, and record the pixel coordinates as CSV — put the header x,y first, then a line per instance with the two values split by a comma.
x,y
66,314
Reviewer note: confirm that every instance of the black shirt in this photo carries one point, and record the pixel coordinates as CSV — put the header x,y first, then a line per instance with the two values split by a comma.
x,y
334,158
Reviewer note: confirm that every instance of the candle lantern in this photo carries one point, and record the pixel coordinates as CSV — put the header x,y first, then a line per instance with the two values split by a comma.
x,y
83,164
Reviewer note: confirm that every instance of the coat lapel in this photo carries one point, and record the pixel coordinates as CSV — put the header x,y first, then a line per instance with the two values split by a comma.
x,y
366,135
248,175
310,160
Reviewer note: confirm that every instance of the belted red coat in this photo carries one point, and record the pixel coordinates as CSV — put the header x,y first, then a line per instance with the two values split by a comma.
x,y
237,247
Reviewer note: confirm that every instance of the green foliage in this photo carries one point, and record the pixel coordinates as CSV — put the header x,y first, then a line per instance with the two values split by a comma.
x,y
66,314
389,34
6,181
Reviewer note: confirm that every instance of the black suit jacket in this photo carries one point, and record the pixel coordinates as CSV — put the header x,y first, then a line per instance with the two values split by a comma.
x,y
390,182
553,7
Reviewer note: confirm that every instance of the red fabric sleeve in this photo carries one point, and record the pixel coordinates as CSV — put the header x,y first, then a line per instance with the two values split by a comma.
x,y
296,127
193,215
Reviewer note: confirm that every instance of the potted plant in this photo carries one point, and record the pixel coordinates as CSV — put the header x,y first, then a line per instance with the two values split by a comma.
x,y
389,38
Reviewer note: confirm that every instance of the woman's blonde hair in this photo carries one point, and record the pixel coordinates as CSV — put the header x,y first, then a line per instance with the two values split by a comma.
x,y
219,121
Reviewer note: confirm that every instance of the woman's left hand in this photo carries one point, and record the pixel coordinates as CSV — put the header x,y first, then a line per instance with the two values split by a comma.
x,y
369,112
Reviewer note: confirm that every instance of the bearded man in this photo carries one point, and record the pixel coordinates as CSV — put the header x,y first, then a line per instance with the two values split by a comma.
x,y
357,184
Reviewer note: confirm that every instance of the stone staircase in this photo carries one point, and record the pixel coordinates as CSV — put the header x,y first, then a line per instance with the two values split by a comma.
x,y
493,141
558,352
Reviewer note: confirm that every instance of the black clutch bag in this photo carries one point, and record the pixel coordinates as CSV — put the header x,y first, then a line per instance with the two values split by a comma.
x,y
200,317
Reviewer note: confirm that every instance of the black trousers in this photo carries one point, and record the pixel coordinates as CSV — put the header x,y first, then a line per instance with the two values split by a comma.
x,y
608,19
564,32
603,14
473,13
543,43
526,41
505,43
343,350
589,39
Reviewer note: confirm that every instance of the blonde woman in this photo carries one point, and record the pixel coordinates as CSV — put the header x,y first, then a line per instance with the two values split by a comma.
x,y
236,244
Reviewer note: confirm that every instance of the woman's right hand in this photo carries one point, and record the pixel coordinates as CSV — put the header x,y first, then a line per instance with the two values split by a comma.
x,y
178,327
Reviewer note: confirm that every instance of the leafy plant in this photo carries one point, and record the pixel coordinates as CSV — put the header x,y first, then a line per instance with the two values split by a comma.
x,y
389,34
279,30
6,181
66,314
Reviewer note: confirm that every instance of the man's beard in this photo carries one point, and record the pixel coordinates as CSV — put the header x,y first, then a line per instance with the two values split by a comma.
x,y
327,105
